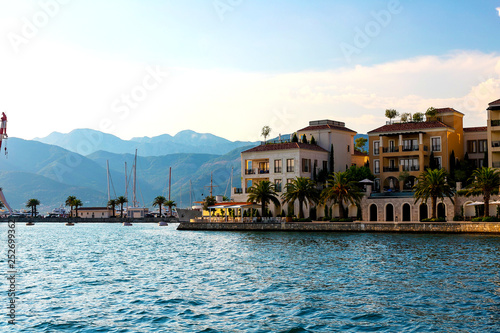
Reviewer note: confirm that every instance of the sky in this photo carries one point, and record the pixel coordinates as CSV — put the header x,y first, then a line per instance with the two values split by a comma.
x,y
137,68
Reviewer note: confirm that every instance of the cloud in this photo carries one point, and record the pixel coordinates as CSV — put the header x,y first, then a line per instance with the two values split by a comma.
x,y
498,9
59,87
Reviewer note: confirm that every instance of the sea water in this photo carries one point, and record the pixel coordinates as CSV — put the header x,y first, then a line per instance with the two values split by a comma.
x,y
146,278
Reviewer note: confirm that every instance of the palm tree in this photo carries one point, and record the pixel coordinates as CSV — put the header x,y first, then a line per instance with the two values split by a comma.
x,y
432,184
112,204
120,201
159,201
70,202
263,192
170,204
342,189
77,203
484,181
32,203
302,189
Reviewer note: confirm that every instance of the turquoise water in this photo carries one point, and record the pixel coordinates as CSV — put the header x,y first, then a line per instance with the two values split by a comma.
x,y
146,278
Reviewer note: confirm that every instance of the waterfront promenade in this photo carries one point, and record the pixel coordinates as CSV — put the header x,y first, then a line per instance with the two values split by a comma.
x,y
359,226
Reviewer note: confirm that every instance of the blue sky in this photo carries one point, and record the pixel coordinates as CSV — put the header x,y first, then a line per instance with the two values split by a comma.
x,y
229,67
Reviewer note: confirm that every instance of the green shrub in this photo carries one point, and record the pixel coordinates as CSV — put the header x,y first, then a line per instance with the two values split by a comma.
x,y
491,219
458,218
341,220
438,219
477,219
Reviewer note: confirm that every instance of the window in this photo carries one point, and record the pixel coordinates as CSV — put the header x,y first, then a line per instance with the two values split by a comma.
x,y
376,147
438,162
306,165
483,144
263,167
289,180
277,166
410,164
277,184
376,185
325,165
290,165
480,162
472,146
348,148
436,143
410,145
376,166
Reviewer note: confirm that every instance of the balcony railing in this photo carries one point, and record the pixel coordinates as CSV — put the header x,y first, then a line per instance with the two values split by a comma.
x,y
376,151
436,148
391,169
263,171
376,170
495,143
496,164
390,149
277,170
290,169
410,148
495,122
249,171
411,168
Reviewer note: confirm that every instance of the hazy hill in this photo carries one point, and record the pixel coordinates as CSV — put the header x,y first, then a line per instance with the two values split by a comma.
x,y
87,141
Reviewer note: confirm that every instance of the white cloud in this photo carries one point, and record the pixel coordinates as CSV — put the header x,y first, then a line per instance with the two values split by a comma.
x,y
498,9
53,87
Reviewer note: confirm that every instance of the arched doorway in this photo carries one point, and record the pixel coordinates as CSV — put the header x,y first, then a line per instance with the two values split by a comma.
x,y
373,212
441,210
389,212
423,211
391,184
406,212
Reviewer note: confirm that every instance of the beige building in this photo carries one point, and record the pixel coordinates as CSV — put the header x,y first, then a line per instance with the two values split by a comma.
x,y
93,212
282,162
476,144
493,133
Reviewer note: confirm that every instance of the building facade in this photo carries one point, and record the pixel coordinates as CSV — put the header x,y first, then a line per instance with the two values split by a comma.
x,y
399,152
493,133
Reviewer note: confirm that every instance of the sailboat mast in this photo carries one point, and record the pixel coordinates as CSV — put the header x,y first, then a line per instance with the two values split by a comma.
x,y
190,194
169,182
134,195
126,183
107,175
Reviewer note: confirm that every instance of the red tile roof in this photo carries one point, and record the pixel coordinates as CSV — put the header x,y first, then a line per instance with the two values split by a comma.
x,y
495,102
320,127
359,153
284,146
475,129
410,126
443,110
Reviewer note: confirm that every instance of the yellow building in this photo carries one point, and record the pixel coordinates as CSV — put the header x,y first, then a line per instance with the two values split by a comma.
x,y
405,148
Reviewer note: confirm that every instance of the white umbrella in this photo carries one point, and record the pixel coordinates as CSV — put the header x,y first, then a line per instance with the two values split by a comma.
x,y
366,181
475,203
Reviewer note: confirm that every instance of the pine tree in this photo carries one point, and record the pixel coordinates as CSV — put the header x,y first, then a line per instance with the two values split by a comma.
x,y
332,159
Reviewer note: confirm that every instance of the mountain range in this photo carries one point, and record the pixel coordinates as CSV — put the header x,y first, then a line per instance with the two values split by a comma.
x,y
88,141
48,170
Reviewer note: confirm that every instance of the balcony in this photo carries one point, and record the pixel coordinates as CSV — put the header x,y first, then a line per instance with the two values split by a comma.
x,y
249,172
390,149
391,169
495,122
495,144
237,190
263,171
496,164
411,168
410,148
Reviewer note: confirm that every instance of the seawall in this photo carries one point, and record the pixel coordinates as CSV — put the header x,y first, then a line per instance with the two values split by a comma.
x,y
402,227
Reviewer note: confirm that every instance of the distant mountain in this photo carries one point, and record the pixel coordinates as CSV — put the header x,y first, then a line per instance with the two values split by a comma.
x,y
50,173
87,141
